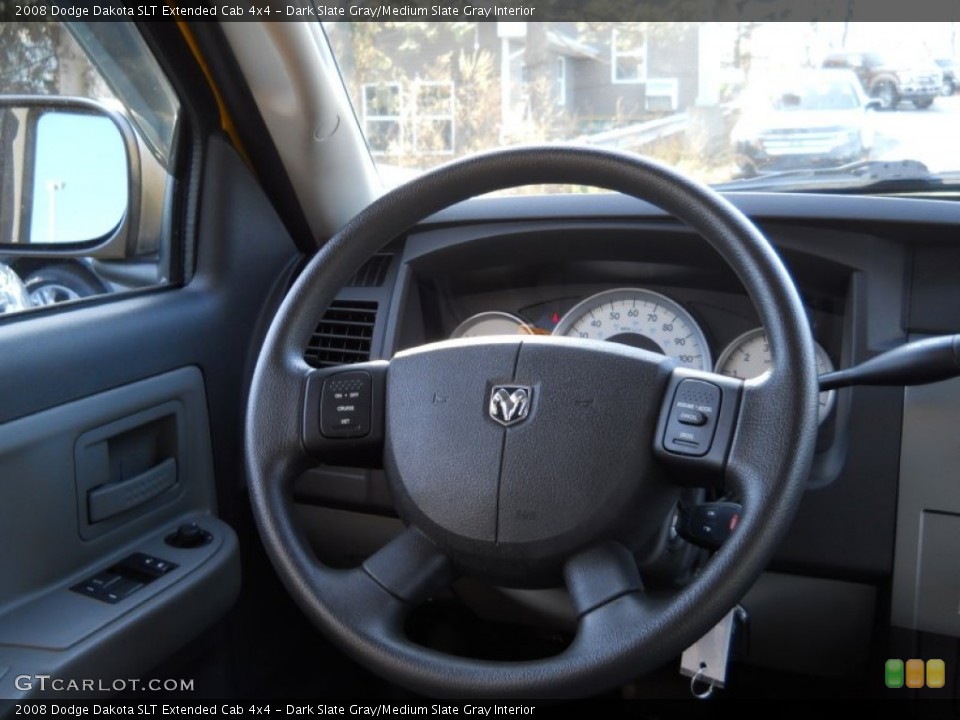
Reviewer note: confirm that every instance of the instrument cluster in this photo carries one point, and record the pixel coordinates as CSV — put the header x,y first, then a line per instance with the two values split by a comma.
x,y
649,320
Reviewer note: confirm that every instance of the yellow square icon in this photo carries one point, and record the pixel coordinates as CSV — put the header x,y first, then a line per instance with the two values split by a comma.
x,y
914,673
936,674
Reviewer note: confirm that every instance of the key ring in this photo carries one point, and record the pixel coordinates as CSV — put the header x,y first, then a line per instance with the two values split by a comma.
x,y
703,694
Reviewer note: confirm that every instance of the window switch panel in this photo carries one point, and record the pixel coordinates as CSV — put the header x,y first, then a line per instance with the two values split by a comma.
x,y
125,578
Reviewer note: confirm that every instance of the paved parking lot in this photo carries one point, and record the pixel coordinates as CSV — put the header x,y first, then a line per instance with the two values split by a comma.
x,y
929,136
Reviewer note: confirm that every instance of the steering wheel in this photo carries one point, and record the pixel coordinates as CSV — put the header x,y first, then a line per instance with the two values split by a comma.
x,y
532,461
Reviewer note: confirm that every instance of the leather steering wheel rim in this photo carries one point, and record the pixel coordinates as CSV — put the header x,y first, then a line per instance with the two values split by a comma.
x,y
628,633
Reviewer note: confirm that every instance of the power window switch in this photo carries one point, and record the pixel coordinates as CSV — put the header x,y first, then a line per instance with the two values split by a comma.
x,y
119,590
148,565
103,579
93,587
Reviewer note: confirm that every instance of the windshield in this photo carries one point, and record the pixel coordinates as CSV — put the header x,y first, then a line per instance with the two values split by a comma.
x,y
685,93
813,95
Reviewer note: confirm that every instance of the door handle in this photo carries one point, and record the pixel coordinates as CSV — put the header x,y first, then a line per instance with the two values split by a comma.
x,y
117,497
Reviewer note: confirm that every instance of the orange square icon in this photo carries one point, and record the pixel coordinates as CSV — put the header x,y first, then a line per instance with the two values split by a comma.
x,y
936,674
915,673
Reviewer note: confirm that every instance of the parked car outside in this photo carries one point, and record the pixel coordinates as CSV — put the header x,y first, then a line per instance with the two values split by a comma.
x,y
892,78
817,118
58,280
951,71
13,293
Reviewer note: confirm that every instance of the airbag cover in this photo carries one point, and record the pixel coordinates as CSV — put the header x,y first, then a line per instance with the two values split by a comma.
x,y
570,473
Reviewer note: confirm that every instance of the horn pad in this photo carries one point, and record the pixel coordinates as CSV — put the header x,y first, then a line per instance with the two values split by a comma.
x,y
513,453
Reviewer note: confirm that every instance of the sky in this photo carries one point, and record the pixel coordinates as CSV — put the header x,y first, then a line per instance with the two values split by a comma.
x,y
80,178
937,39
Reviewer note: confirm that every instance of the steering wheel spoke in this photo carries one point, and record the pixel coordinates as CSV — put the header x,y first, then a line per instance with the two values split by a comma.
x,y
599,575
698,421
343,413
410,567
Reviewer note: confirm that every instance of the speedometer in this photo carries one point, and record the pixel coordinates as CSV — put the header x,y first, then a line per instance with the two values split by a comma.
x,y
642,319
748,356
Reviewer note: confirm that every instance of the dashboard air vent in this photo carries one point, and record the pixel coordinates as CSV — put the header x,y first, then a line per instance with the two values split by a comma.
x,y
343,335
373,272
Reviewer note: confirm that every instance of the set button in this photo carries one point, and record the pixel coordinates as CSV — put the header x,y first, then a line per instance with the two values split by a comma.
x,y
345,405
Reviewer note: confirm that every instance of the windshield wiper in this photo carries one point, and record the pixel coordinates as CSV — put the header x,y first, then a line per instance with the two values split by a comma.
x,y
873,175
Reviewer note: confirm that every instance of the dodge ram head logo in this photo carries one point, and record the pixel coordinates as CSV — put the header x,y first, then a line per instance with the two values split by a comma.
x,y
510,404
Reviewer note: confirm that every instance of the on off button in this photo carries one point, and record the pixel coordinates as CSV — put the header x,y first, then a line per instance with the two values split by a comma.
x,y
345,405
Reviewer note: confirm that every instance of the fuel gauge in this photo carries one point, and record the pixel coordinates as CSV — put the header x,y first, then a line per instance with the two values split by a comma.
x,y
490,323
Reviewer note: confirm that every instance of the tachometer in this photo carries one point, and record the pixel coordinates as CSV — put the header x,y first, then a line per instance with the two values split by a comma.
x,y
749,356
639,318
491,323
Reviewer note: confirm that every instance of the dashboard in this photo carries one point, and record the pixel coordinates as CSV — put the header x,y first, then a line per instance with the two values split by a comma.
x,y
872,273
620,269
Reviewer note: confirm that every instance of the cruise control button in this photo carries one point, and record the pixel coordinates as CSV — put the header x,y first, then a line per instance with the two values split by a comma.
x,y
345,405
691,417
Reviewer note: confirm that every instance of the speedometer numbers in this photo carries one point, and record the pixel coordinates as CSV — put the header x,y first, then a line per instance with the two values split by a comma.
x,y
642,319
748,356
651,321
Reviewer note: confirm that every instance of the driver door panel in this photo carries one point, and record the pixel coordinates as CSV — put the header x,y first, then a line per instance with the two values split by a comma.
x,y
121,421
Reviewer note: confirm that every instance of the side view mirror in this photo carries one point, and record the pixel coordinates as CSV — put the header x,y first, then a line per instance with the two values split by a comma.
x,y
69,177
873,104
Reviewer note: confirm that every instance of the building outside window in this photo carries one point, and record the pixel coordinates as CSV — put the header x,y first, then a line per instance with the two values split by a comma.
x,y
561,82
434,129
382,110
628,57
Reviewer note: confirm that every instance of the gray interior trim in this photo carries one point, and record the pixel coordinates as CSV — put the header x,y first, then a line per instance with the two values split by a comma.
x,y
309,117
118,435
822,209
926,570
60,618
68,636
813,626
104,483
38,479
